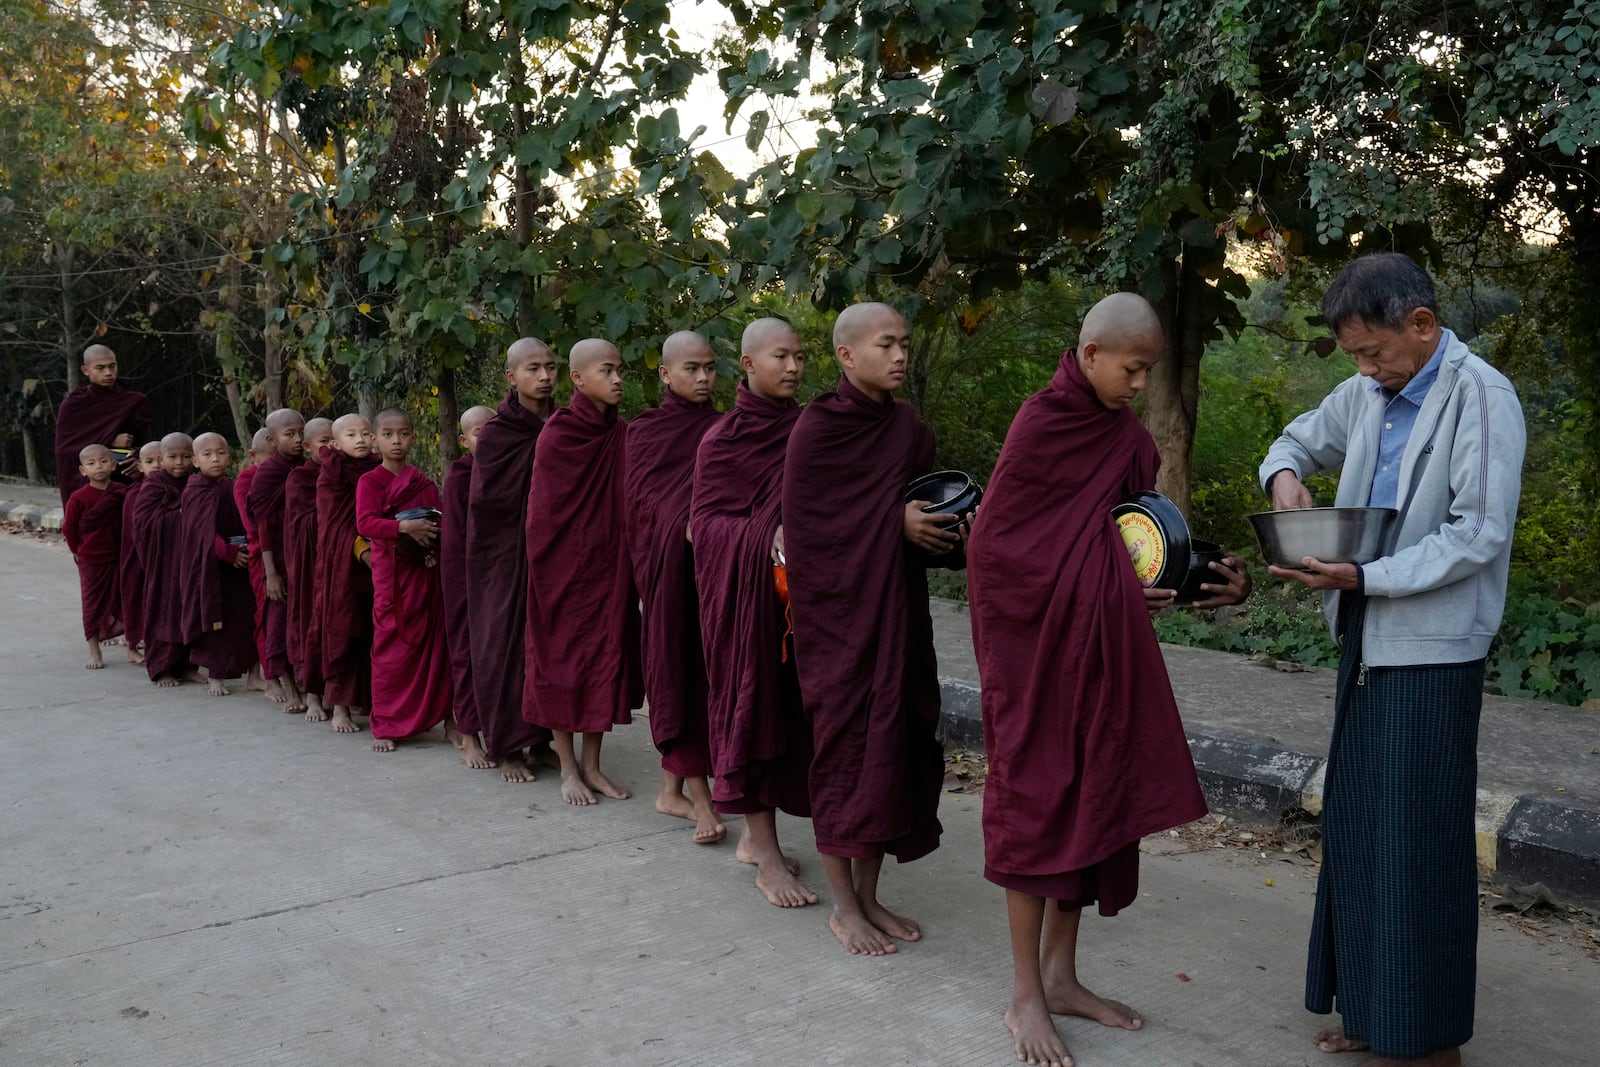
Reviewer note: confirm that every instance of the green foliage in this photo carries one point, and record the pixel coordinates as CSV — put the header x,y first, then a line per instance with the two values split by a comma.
x,y
1280,621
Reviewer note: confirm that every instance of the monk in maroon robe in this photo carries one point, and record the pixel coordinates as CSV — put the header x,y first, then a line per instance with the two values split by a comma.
x,y
411,677
1086,751
863,635
583,671
658,479
286,437
453,580
497,558
92,526
131,573
300,560
344,578
218,606
98,412
760,736
158,531
253,458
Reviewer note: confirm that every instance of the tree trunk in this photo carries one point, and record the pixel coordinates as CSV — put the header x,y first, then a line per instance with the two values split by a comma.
x,y
228,355
271,342
367,400
449,420
69,317
522,202
1173,396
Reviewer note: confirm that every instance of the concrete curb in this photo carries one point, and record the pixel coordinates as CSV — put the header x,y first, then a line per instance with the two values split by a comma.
x,y
1521,839
36,516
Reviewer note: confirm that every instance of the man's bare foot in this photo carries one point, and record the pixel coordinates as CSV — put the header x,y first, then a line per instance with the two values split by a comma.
x,y
1063,998
896,926
383,744
472,752
1333,1040
514,768
342,723
859,936
574,791
169,681
744,854
1450,1057
595,778
1034,1036
275,692
782,889
216,687
315,712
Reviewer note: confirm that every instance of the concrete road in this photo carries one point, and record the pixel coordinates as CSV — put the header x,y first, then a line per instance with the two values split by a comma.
x,y
188,881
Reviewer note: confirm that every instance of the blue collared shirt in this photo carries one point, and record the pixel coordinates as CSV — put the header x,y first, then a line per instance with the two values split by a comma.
x,y
1399,416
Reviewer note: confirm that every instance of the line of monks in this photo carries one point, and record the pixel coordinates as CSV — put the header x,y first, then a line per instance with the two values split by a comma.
x,y
751,572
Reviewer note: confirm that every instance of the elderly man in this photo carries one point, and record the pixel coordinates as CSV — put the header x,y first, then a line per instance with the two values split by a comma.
x,y
1431,430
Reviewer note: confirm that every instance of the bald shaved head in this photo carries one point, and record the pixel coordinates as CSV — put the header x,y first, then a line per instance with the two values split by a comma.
x,y
212,456
94,352
318,435
93,452
149,456
596,369
284,417
688,366
352,435
772,359
210,440
590,351
258,441
684,344
99,365
531,370
176,440
345,422
1120,341
177,454
286,433
317,426
95,463
873,347
475,416
524,349
856,322
1120,320
763,333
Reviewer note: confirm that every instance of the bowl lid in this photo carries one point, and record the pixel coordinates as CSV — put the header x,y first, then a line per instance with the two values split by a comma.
x,y
1157,538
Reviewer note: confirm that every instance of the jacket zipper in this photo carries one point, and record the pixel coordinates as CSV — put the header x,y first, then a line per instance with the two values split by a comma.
x,y
1361,675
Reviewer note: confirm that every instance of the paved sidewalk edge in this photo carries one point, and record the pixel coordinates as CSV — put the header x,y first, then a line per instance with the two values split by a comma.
x,y
1520,839
37,516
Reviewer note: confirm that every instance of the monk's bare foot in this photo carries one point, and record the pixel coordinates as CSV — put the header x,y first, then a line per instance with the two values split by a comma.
x,y
782,889
896,926
745,854
1450,1057
1333,1040
134,655
192,675
544,756
708,828
315,712
383,745
216,687
113,641
859,936
451,734
169,681
671,803
575,791
94,662
275,692
514,768
342,723
1070,998
253,680
595,779
472,753
1034,1036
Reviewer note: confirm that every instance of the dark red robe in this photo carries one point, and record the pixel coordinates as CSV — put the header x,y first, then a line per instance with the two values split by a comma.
x,y
266,510
760,736
90,415
300,554
258,574
130,576
218,605
453,581
92,526
658,480
583,669
497,575
344,584
158,533
1086,751
410,664
862,632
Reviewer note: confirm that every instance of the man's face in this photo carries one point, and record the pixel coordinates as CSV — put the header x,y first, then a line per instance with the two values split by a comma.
x,y
773,370
178,460
692,376
355,439
534,377
395,438
876,357
212,457
98,466
1118,375
289,438
1391,357
101,370
601,380
317,442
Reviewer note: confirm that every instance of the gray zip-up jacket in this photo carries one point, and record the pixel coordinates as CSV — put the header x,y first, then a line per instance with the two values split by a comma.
x,y
1439,591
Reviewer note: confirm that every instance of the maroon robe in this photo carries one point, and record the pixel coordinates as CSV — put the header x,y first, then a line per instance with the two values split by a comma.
x,y
583,673
218,605
300,554
497,574
453,580
157,531
258,574
266,511
344,584
658,479
91,415
760,736
862,632
93,529
130,577
1086,751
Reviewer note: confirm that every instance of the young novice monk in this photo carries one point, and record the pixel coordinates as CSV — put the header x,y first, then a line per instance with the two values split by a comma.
x,y
218,606
131,574
157,530
343,609
863,636
760,736
253,458
286,436
453,580
300,558
93,529
657,483
583,671
1086,752
410,664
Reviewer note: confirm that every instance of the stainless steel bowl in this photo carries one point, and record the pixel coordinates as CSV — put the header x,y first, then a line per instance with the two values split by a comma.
x,y
1333,535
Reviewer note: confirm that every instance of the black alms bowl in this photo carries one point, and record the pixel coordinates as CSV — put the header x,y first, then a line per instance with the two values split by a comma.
x,y
409,544
1157,538
949,493
1201,555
